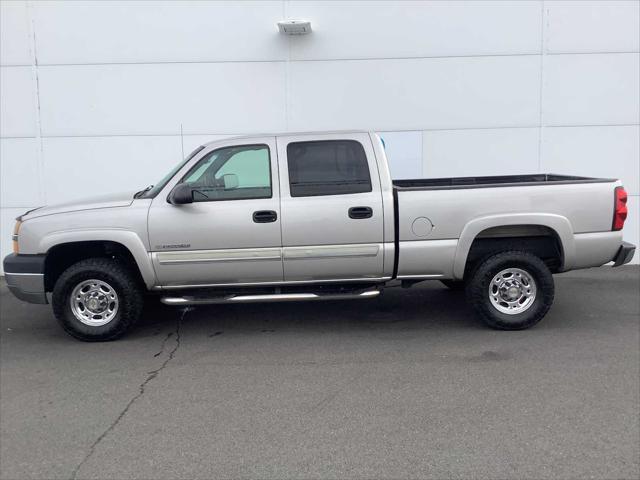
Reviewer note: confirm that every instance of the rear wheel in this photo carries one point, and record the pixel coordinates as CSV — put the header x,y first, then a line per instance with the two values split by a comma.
x,y
97,299
511,290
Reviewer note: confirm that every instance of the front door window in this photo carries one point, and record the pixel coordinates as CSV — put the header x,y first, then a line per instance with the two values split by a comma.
x,y
232,173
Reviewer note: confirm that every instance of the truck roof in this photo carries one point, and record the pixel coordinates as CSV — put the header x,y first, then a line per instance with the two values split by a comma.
x,y
282,134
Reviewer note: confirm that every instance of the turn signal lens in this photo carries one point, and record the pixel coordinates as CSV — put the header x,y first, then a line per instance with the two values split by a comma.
x,y
620,209
14,238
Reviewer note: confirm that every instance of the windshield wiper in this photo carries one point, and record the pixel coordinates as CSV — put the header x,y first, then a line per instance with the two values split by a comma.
x,y
142,192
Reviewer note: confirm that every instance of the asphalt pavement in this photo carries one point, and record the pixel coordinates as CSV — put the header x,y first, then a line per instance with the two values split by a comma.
x,y
409,385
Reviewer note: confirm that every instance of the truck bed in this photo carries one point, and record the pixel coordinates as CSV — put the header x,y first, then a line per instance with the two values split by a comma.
x,y
493,181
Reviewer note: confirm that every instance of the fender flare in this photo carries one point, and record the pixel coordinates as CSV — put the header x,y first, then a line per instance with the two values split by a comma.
x,y
559,224
126,238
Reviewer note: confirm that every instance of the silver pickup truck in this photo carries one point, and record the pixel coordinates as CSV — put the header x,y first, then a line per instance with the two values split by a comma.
x,y
308,217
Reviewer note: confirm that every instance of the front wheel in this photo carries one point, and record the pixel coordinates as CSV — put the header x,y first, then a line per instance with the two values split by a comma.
x,y
97,299
511,290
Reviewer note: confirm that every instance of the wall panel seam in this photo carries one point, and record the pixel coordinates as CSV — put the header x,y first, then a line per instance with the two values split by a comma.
x,y
385,130
284,60
543,51
34,67
331,59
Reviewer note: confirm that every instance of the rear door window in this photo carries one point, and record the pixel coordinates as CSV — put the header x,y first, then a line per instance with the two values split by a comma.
x,y
328,167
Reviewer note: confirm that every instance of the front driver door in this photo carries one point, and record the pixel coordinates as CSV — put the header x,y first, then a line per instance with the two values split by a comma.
x,y
230,234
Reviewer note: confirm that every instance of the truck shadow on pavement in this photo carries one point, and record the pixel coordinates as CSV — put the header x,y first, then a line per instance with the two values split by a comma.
x,y
428,307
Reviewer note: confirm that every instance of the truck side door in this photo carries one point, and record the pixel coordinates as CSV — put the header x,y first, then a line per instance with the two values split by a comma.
x,y
331,203
230,234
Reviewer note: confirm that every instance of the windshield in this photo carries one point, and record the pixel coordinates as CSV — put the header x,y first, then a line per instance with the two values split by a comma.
x,y
152,191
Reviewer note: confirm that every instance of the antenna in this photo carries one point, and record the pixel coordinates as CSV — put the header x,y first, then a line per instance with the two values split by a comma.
x,y
181,140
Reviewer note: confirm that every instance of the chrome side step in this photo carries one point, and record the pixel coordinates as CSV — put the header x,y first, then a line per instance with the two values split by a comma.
x,y
274,297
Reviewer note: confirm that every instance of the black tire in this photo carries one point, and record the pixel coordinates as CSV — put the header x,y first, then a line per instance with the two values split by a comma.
x,y
479,298
127,288
455,285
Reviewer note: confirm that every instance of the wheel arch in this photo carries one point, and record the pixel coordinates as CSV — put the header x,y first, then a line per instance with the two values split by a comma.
x,y
520,226
65,248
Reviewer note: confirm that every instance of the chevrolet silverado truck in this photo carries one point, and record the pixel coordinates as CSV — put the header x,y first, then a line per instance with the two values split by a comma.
x,y
311,217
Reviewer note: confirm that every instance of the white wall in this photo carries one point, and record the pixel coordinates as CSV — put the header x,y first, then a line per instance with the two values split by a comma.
x,y
94,94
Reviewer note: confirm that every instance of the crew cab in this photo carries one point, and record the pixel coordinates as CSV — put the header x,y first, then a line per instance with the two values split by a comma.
x,y
312,216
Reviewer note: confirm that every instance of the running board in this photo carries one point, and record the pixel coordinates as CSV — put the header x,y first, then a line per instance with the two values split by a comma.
x,y
275,297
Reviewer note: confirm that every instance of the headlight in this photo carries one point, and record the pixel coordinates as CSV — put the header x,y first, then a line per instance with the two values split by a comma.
x,y
14,237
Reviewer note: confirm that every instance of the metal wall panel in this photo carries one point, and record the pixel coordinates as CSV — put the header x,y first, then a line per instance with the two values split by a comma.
x,y
391,29
587,26
19,172
14,34
597,89
445,83
594,151
460,153
91,166
133,32
404,153
159,98
18,105
415,94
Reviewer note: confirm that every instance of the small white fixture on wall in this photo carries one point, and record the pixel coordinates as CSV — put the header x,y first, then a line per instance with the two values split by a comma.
x,y
294,27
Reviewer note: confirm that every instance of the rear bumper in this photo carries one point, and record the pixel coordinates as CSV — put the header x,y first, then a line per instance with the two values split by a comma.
x,y
25,277
625,254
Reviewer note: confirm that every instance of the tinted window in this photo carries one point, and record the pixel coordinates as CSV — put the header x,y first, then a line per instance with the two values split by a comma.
x,y
327,168
232,173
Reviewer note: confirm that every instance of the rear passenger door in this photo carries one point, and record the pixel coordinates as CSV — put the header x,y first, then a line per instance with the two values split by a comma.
x,y
331,205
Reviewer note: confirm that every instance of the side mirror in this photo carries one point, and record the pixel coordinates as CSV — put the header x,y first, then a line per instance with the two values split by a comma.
x,y
230,181
181,194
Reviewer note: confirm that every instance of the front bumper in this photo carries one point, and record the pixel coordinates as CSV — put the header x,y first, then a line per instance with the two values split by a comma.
x,y
25,277
625,254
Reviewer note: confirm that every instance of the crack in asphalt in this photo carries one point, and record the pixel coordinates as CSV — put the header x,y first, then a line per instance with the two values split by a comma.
x,y
163,344
141,389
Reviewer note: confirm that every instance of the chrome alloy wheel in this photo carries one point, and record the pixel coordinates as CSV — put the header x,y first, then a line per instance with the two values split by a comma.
x,y
512,291
94,302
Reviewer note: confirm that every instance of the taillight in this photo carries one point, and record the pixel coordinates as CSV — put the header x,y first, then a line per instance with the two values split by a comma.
x,y
619,208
